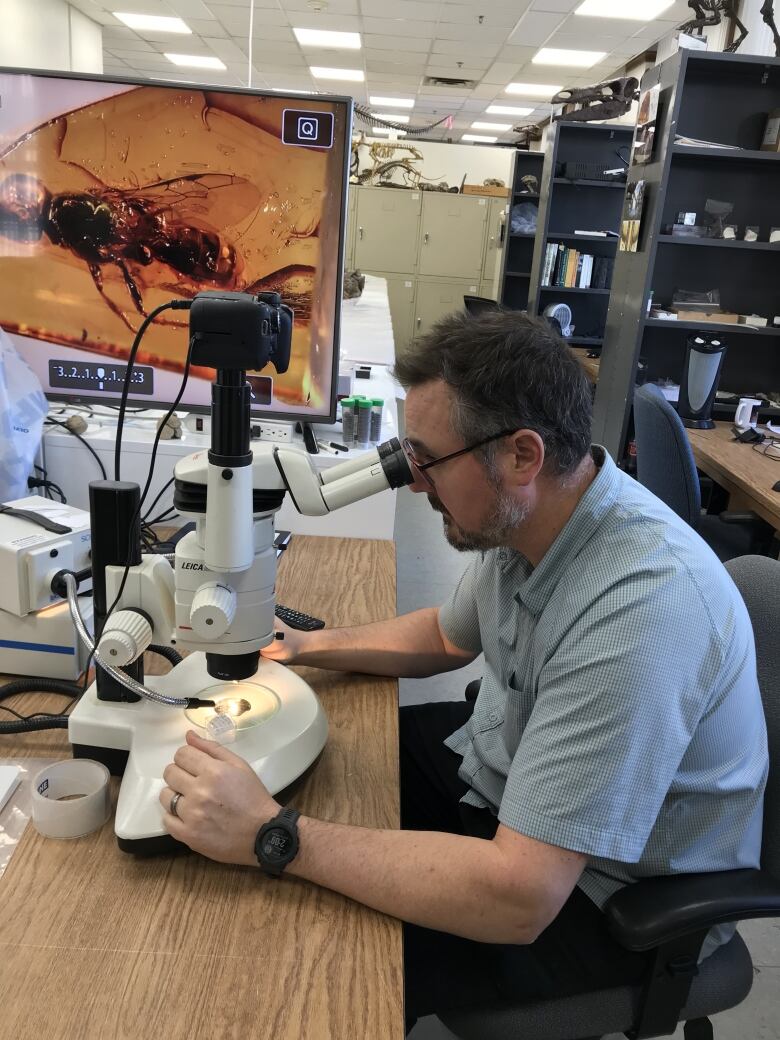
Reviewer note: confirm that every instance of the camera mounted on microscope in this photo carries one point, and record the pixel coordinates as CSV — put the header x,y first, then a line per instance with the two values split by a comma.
x,y
235,330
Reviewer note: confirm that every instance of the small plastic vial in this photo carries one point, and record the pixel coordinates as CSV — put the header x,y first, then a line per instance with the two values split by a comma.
x,y
348,421
364,423
222,729
377,407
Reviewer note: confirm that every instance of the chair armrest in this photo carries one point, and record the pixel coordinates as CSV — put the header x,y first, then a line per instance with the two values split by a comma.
x,y
648,913
739,518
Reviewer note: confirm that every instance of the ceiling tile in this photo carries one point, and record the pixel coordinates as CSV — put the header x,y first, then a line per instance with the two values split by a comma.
x,y
471,49
187,9
516,55
376,42
413,10
462,31
395,68
397,26
501,73
494,18
228,50
535,29
453,72
555,5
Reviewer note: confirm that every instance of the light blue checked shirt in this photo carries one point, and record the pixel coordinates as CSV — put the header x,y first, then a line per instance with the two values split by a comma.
x,y
619,713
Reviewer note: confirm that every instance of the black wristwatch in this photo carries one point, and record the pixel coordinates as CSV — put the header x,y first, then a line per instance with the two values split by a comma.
x,y
276,843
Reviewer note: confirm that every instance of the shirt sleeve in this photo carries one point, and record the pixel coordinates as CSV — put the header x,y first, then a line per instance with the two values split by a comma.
x,y
617,705
458,617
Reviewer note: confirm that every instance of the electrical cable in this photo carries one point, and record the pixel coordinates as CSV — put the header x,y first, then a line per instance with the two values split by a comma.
x,y
56,422
39,720
159,496
174,305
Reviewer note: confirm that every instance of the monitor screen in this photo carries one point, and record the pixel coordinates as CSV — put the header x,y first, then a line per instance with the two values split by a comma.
x,y
116,197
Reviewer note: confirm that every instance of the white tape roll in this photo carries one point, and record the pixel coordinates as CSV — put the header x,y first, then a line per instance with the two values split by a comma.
x,y
84,786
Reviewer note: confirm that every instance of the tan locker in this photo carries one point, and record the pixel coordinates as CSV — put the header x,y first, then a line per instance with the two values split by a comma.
x,y
386,227
349,243
400,292
453,229
488,290
436,299
494,238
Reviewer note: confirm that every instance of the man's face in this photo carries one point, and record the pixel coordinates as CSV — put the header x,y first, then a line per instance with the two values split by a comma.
x,y
477,511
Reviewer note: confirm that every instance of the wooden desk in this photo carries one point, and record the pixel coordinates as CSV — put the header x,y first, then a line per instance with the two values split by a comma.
x,y
95,944
589,365
745,474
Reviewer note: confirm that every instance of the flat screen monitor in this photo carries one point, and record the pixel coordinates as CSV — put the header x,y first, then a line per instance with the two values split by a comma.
x,y
117,196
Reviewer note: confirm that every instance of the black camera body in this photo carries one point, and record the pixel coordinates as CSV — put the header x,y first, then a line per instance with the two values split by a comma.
x,y
234,330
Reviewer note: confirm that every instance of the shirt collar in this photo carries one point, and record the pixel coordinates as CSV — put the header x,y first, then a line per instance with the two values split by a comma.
x,y
540,583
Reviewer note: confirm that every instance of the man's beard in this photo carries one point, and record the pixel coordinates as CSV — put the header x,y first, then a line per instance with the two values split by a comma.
x,y
507,516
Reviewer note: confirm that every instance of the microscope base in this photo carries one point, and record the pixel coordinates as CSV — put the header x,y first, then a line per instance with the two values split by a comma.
x,y
281,733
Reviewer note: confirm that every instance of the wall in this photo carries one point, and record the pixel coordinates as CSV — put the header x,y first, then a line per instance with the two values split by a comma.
x,y
49,34
449,162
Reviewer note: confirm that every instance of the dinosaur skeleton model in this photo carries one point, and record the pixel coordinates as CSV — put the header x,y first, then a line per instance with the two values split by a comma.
x,y
710,13
602,101
532,132
384,159
768,14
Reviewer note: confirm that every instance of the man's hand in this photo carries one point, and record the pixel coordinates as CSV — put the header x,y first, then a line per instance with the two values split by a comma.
x,y
285,650
223,803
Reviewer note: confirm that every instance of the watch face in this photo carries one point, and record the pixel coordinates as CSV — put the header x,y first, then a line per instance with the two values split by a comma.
x,y
277,843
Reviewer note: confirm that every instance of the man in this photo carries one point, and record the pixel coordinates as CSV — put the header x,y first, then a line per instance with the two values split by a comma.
x,y
618,731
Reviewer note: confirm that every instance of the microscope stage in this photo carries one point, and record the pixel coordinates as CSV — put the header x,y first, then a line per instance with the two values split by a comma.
x,y
280,730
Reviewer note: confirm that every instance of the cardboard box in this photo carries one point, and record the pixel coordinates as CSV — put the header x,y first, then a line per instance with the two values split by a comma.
x,y
771,142
483,189
719,317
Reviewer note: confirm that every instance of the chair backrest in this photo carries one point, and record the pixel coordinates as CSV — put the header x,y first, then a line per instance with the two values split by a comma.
x,y
758,579
479,304
664,458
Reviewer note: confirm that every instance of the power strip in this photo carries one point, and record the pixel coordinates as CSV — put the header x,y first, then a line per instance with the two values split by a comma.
x,y
278,432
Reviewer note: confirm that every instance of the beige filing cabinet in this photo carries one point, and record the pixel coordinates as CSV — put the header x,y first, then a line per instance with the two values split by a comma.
x,y
387,224
437,298
349,243
494,248
400,292
453,236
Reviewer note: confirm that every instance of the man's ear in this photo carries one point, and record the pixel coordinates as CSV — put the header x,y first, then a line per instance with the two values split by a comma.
x,y
524,460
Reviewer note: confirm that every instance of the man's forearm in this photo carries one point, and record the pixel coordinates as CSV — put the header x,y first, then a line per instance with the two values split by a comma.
x,y
409,646
442,881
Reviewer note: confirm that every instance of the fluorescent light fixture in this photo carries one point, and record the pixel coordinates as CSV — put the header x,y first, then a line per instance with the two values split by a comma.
x,y
196,61
507,110
387,130
391,117
353,75
392,102
542,90
346,41
502,127
561,56
152,22
479,137
630,10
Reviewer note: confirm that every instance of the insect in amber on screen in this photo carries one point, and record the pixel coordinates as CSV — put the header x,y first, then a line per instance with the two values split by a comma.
x,y
134,227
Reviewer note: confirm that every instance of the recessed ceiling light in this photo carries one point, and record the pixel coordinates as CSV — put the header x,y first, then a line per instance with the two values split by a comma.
x,y
353,75
347,41
392,102
387,130
152,22
636,10
391,117
561,56
502,127
543,90
479,137
196,61
507,110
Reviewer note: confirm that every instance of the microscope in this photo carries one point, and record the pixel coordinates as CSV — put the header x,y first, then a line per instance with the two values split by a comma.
x,y
215,596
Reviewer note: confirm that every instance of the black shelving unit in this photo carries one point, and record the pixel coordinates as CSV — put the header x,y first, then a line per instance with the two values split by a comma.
x,y
579,204
723,98
518,252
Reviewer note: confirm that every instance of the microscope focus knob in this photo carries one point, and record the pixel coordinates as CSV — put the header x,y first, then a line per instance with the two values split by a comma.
x,y
212,612
125,637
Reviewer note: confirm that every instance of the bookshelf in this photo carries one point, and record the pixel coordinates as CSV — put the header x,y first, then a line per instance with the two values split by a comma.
x,y
579,203
723,98
518,253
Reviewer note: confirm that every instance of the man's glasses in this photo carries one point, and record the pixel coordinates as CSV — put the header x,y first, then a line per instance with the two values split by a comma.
x,y
421,469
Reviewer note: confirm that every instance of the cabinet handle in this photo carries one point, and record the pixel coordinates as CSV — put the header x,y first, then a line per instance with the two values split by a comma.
x,y
360,229
426,236
419,322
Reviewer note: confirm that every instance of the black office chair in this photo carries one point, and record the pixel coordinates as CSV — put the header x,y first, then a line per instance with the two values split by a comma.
x,y
476,305
665,466
672,915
